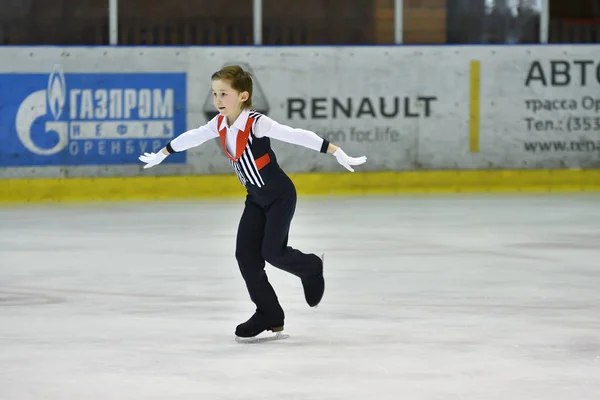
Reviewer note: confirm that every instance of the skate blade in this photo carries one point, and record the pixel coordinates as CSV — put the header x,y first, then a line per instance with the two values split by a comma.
x,y
262,339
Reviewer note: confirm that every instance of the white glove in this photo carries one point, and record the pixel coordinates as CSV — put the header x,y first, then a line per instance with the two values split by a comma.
x,y
347,161
152,159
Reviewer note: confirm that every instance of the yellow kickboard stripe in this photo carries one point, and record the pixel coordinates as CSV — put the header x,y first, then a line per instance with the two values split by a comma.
x,y
344,183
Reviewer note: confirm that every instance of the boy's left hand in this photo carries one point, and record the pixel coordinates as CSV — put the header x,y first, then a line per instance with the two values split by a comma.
x,y
347,161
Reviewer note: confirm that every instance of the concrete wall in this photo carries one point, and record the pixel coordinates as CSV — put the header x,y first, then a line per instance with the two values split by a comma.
x,y
67,112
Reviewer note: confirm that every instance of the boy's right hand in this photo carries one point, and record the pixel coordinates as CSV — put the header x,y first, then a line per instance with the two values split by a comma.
x,y
152,159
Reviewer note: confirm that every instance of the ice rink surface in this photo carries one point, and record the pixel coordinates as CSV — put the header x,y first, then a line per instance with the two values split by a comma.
x,y
478,297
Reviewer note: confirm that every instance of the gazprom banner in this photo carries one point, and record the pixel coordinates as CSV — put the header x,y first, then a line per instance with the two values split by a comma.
x,y
68,119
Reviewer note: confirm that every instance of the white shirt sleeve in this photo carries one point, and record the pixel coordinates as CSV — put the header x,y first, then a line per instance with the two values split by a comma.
x,y
195,137
266,126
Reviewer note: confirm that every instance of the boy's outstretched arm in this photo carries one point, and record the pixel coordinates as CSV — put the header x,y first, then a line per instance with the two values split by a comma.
x,y
185,141
302,137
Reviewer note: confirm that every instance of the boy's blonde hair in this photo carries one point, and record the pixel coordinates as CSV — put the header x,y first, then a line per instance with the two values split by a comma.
x,y
240,81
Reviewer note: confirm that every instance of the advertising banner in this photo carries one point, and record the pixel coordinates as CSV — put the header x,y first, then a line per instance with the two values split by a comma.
x,y
88,119
91,112
369,101
412,108
539,107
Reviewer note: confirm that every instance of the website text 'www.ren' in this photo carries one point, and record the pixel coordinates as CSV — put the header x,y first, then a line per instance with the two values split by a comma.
x,y
562,145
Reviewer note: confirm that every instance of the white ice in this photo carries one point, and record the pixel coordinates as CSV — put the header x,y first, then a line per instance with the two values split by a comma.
x,y
478,297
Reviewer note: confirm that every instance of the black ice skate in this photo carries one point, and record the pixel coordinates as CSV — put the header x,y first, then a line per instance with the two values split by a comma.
x,y
249,331
314,286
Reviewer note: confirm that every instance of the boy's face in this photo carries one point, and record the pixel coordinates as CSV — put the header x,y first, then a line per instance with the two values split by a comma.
x,y
226,99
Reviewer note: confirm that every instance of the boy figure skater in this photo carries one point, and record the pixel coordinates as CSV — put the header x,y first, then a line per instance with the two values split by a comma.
x,y
271,196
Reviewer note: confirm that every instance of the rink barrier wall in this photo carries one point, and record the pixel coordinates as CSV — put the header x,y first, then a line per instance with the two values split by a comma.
x,y
74,120
357,183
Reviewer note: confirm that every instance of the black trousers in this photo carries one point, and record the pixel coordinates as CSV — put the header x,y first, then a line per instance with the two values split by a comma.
x,y
262,237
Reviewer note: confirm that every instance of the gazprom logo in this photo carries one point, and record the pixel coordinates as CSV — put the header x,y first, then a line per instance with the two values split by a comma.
x,y
35,106
57,92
